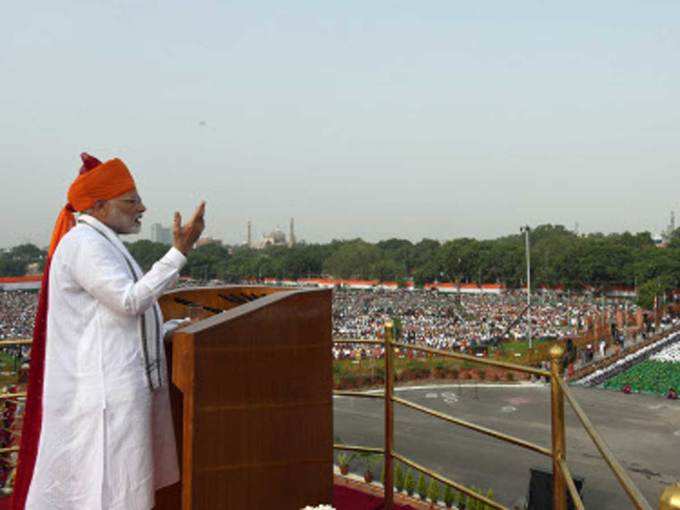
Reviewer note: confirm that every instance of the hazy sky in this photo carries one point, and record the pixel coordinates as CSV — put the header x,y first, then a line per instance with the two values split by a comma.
x,y
359,118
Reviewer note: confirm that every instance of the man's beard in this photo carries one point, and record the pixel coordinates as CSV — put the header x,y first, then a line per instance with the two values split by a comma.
x,y
124,224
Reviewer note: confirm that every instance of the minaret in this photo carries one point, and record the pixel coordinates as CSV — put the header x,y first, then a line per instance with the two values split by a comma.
x,y
291,234
672,225
249,235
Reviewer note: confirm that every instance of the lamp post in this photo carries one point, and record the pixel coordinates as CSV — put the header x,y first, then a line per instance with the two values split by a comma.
x,y
526,230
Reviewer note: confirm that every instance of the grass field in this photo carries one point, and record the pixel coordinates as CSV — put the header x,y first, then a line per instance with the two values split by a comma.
x,y
521,346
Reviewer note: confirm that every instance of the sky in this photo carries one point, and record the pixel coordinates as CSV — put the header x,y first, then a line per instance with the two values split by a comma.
x,y
436,119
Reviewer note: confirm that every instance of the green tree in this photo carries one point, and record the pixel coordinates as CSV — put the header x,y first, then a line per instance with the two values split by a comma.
x,y
386,269
27,253
459,259
651,291
352,260
10,266
146,252
15,261
207,262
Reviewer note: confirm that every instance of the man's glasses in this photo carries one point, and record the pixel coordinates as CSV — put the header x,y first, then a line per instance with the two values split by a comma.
x,y
131,201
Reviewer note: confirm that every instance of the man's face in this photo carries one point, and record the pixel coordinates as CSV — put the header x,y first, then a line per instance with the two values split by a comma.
x,y
123,214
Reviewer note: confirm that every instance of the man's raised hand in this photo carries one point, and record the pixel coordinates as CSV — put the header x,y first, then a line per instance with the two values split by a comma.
x,y
186,235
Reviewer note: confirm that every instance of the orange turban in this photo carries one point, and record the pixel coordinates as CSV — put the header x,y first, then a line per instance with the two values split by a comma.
x,y
97,181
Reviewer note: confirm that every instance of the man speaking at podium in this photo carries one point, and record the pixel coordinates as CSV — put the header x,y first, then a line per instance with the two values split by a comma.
x,y
98,431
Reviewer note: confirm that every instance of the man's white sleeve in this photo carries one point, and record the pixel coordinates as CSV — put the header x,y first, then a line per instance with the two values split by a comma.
x,y
102,273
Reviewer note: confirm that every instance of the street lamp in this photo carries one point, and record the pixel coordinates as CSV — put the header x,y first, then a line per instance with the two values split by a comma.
x,y
526,230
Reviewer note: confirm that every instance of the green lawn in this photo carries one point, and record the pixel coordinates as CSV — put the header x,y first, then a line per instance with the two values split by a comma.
x,y
521,346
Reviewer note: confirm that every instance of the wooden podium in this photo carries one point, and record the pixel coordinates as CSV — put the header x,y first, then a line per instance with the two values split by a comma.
x,y
252,398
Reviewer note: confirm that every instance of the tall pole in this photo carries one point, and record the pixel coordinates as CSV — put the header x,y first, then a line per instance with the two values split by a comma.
x,y
526,231
557,428
389,417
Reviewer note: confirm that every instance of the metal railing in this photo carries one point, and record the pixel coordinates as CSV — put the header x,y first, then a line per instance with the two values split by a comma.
x,y
562,480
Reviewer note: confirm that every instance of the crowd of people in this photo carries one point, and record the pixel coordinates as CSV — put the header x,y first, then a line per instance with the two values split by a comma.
x,y
452,321
439,320
17,312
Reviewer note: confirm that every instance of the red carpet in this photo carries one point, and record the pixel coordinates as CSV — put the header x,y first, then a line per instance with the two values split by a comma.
x,y
346,498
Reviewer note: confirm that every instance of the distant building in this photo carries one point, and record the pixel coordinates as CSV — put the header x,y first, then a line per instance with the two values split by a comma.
x,y
291,235
274,238
667,234
203,241
161,234
659,240
33,268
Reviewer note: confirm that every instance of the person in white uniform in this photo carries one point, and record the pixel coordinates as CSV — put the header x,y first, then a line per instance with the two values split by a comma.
x,y
107,440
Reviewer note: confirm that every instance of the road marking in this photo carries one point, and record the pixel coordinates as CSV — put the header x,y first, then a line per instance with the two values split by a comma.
x,y
516,401
450,398
431,395
511,386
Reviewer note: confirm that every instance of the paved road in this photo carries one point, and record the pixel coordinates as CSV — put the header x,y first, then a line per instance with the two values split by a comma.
x,y
643,432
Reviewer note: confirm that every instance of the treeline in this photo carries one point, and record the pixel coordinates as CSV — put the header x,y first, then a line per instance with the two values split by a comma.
x,y
558,257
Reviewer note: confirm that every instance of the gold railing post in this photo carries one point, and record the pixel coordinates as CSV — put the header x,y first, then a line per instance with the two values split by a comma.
x,y
389,416
557,427
670,499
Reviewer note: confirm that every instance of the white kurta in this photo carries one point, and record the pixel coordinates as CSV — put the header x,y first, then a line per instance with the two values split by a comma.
x,y
107,440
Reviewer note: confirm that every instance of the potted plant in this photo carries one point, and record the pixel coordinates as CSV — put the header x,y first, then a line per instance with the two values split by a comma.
x,y
449,496
422,486
370,462
410,483
399,479
433,492
344,460
462,499
489,494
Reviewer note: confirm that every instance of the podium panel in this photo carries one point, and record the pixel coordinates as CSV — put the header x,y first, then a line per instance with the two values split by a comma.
x,y
252,401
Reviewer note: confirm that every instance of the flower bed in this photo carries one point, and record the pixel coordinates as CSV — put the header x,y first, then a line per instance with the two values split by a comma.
x,y
649,377
349,374
670,354
628,361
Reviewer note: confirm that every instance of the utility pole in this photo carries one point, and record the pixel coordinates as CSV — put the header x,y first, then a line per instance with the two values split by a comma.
x,y
526,230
